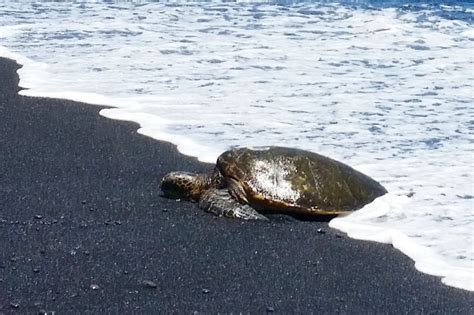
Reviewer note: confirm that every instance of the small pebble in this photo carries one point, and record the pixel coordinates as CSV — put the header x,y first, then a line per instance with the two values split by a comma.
x,y
14,304
36,270
118,222
38,216
149,284
206,291
125,272
95,287
321,231
83,202
270,309
87,253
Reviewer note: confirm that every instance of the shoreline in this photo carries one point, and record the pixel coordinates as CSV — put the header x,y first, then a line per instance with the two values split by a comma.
x,y
83,228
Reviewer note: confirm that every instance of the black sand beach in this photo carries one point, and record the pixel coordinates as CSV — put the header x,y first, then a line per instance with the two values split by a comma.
x,y
83,229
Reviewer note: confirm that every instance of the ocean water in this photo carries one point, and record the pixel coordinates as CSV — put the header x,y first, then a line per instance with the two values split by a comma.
x,y
384,86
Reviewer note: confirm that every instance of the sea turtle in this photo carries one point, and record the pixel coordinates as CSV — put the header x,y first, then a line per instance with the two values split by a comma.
x,y
247,182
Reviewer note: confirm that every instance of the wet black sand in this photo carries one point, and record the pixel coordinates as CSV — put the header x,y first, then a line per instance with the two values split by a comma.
x,y
83,229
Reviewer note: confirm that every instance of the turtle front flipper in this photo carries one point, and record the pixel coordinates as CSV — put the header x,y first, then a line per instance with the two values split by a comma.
x,y
221,203
236,190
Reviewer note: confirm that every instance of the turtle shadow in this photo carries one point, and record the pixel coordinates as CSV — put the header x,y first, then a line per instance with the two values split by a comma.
x,y
276,216
295,217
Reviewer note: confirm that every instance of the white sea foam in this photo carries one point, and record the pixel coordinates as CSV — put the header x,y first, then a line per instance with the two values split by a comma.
x,y
388,91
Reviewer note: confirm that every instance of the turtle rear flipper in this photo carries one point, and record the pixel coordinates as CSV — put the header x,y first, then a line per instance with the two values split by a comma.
x,y
221,203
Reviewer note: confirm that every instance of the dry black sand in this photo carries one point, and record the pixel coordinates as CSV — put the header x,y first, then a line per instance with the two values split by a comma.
x,y
83,229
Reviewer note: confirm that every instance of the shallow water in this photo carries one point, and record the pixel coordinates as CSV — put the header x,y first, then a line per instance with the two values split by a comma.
x,y
385,87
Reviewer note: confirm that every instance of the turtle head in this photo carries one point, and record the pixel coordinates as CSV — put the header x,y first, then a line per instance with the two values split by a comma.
x,y
177,185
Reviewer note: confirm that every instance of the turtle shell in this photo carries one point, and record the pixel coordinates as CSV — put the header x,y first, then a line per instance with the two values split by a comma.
x,y
293,180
